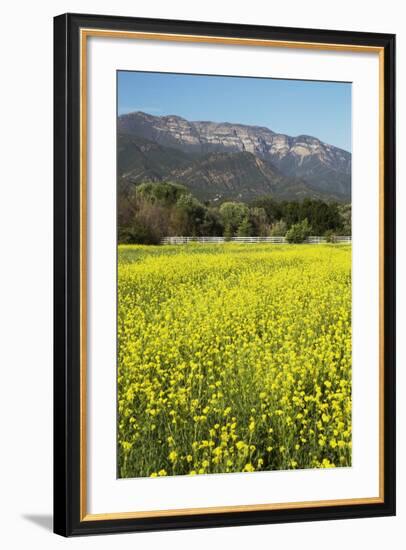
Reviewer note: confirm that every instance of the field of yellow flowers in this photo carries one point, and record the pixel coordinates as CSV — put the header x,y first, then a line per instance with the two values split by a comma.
x,y
233,357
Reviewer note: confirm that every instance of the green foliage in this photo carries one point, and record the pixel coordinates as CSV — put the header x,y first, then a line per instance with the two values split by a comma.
x,y
321,215
165,193
141,233
345,217
258,221
331,237
149,211
190,213
228,233
298,232
245,228
212,223
274,210
233,214
278,229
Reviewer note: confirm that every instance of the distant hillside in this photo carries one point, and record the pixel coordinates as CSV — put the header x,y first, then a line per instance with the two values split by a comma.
x,y
233,161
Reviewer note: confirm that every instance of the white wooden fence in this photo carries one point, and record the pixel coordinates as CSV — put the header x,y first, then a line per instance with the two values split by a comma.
x,y
273,240
335,239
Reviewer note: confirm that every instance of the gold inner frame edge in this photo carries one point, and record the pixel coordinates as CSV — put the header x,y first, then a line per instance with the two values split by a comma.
x,y
173,37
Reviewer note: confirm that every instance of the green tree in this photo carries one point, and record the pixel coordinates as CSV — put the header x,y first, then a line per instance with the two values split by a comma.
x,y
165,193
188,216
228,234
291,212
245,228
212,224
345,217
258,221
232,214
298,232
273,209
278,229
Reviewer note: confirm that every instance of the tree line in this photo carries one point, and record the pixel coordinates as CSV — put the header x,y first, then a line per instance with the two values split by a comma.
x,y
151,211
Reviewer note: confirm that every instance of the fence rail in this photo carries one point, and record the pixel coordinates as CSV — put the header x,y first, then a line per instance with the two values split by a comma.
x,y
273,240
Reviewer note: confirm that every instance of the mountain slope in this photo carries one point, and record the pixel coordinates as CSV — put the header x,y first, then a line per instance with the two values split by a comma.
x,y
140,160
214,176
314,167
241,176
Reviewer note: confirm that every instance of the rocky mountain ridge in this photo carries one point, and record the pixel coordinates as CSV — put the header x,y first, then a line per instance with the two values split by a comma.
x,y
319,169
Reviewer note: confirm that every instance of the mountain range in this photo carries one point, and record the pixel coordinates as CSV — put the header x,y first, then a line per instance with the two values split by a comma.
x,y
218,161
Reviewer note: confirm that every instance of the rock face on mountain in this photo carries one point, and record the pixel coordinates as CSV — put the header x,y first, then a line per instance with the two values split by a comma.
x,y
219,159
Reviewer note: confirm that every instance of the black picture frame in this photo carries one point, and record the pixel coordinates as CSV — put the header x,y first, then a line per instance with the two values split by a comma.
x,y
67,288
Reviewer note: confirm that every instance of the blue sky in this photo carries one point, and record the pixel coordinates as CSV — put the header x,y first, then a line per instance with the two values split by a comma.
x,y
293,107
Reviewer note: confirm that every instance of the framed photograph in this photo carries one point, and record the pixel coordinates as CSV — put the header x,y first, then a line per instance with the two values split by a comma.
x,y
224,274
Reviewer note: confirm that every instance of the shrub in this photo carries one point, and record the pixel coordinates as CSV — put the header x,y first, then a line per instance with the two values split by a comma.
x,y
298,232
331,237
141,233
